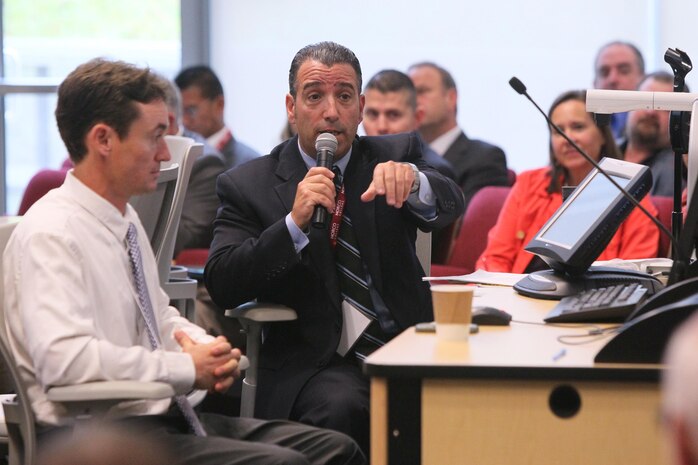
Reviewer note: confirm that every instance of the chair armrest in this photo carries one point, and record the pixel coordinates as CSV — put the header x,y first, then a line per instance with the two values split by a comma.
x,y
252,315
110,390
262,312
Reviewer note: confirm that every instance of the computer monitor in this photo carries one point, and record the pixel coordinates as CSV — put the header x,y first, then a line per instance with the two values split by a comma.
x,y
574,237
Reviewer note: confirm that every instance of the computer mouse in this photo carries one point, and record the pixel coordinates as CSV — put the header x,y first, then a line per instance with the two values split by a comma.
x,y
490,316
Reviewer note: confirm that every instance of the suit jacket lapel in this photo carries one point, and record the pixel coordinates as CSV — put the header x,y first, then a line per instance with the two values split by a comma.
x,y
291,170
454,153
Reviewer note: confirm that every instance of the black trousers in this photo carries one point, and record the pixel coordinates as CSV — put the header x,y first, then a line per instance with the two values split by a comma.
x,y
237,441
337,398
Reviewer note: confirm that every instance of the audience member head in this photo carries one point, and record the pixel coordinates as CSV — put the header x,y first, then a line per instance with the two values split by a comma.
x,y
110,93
173,100
325,95
203,103
649,129
618,66
680,394
437,96
391,104
104,445
569,113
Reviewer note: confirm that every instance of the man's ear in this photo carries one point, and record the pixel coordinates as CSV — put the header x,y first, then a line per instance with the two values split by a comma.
x,y
418,116
362,104
291,109
219,103
100,139
172,124
452,96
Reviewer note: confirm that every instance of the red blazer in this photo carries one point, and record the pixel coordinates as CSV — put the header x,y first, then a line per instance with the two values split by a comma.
x,y
529,206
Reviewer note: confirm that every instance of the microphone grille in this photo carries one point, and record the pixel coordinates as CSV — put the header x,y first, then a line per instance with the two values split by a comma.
x,y
326,141
517,85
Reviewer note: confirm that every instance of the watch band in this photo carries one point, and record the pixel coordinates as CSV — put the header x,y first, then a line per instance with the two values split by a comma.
x,y
417,179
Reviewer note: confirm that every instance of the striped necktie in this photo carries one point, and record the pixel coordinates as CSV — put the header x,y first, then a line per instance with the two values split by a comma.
x,y
352,281
134,253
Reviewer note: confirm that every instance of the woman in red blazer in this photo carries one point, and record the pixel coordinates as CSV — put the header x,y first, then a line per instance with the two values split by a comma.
x,y
536,195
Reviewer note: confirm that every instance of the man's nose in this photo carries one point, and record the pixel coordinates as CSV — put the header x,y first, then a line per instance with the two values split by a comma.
x,y
163,151
331,112
382,125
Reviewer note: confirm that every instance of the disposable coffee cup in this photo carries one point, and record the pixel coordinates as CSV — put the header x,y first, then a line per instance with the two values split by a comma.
x,y
453,311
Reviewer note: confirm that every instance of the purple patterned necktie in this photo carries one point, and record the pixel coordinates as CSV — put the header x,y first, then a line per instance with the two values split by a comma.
x,y
134,253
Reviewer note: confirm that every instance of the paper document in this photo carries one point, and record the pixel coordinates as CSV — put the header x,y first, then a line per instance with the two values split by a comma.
x,y
481,277
353,325
647,265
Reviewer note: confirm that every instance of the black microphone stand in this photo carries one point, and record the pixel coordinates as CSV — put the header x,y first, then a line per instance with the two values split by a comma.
x,y
679,124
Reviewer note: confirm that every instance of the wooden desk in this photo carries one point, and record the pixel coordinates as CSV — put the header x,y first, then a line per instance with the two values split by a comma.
x,y
507,397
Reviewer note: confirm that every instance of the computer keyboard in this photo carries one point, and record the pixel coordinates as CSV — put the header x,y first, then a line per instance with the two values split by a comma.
x,y
605,304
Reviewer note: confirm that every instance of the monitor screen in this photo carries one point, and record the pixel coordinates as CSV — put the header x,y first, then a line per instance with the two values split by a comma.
x,y
585,223
585,208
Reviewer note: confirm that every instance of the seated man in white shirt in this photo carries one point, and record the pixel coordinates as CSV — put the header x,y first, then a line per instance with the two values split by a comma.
x,y
83,301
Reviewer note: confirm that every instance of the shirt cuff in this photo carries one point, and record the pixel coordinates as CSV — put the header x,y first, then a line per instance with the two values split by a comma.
x,y
181,371
423,202
299,238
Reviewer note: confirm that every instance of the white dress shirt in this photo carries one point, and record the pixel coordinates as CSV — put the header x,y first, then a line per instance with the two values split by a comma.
x,y
71,306
442,143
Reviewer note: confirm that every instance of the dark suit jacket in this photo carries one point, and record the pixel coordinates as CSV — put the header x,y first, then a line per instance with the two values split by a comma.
x,y
252,256
477,164
438,162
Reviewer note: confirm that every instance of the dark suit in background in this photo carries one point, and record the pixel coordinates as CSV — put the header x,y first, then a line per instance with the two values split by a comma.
x,y
200,202
436,161
253,256
477,164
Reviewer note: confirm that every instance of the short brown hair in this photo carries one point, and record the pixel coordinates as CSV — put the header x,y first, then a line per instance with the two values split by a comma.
x,y
102,91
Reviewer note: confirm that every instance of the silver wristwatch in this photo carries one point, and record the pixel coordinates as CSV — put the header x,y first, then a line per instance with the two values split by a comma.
x,y
417,179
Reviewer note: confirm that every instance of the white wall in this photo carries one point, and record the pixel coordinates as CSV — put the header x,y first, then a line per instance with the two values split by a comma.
x,y
550,46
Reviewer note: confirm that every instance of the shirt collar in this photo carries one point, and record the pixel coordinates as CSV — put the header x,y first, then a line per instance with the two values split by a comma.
x,y
216,137
445,140
99,207
311,162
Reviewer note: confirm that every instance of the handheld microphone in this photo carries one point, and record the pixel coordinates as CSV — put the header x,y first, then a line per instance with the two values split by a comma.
x,y
519,87
325,147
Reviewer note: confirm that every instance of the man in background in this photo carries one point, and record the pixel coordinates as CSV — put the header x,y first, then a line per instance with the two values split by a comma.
x,y
648,140
391,108
618,66
476,163
200,202
203,105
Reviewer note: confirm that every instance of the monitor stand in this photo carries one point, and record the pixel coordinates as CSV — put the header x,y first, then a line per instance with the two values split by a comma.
x,y
554,285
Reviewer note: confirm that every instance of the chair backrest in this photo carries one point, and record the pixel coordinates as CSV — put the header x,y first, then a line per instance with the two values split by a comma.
x,y
39,185
154,207
161,210
664,205
19,416
480,216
